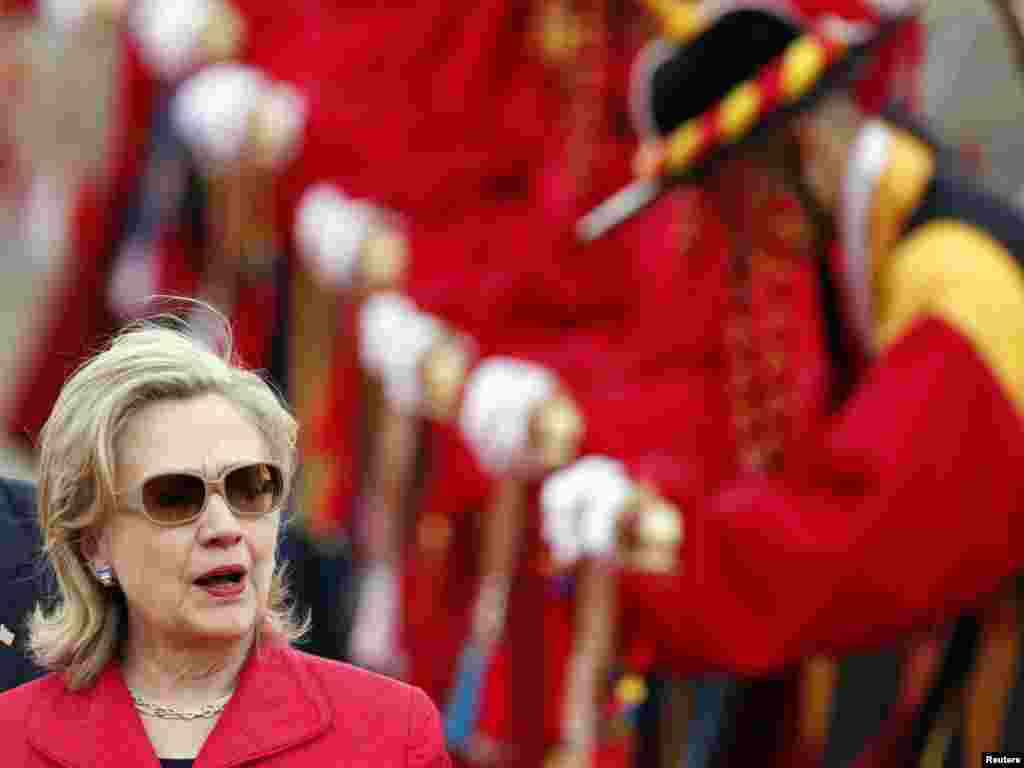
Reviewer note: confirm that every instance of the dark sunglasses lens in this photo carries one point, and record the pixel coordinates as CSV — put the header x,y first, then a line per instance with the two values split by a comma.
x,y
254,490
172,499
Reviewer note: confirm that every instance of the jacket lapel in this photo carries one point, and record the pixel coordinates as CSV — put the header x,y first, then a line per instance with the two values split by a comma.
x,y
278,705
95,727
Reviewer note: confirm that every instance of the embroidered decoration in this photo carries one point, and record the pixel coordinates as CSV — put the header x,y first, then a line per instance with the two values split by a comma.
x,y
759,339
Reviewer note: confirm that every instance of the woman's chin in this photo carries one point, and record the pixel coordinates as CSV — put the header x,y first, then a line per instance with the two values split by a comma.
x,y
225,623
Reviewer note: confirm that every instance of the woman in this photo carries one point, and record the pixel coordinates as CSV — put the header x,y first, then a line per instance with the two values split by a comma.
x,y
163,473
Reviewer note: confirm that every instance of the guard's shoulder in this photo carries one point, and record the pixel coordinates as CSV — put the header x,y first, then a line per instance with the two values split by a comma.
x,y
962,275
949,234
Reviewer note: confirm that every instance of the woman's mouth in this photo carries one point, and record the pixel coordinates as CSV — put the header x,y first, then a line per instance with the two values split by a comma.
x,y
229,581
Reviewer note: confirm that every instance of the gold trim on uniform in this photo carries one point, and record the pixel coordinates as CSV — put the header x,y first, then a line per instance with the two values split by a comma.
x,y
683,144
901,187
961,275
802,65
740,108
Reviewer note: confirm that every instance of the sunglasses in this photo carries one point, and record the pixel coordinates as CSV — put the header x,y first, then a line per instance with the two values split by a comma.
x,y
251,490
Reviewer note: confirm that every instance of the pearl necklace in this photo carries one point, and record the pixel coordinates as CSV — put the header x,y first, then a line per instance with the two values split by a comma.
x,y
168,712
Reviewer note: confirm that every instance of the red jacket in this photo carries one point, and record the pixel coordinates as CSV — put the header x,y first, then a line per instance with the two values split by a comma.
x,y
290,709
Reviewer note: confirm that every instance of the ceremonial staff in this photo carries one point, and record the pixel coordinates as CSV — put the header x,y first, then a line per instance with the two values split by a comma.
x,y
507,390
596,521
389,448
242,129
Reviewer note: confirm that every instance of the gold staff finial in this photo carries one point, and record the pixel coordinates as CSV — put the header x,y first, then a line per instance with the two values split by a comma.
x,y
222,34
556,430
443,373
651,532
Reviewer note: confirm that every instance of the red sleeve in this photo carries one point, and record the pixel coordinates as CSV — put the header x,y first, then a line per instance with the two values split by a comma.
x,y
909,513
487,272
426,744
286,40
677,415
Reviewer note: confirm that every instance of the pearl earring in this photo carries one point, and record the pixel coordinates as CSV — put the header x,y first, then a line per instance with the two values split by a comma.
x,y
105,575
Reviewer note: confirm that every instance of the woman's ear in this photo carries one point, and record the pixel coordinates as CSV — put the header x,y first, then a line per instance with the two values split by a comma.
x,y
94,547
89,545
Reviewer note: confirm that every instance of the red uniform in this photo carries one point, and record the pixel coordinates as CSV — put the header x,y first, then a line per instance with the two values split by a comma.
x,y
801,553
839,527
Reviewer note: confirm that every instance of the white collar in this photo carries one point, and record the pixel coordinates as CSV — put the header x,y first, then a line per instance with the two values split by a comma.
x,y
868,158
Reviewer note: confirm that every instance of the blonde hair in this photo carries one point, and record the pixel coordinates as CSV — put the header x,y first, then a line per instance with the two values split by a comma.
x,y
153,360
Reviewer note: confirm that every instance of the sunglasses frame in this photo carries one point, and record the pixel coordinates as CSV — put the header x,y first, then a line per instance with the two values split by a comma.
x,y
135,499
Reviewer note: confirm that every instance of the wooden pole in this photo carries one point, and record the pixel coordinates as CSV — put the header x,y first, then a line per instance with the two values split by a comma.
x,y
648,539
1012,16
555,429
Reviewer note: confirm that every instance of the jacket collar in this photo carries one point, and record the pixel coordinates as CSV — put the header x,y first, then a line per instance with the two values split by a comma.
x,y
868,159
278,705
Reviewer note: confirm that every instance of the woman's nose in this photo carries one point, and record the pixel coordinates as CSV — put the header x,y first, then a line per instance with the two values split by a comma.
x,y
219,525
